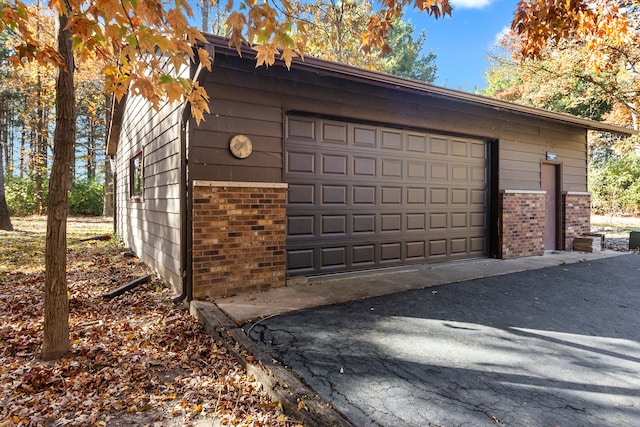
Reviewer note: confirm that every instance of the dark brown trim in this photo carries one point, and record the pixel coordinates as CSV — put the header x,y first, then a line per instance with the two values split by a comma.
x,y
493,210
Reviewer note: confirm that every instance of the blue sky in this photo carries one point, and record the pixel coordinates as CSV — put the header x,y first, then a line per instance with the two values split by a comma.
x,y
463,42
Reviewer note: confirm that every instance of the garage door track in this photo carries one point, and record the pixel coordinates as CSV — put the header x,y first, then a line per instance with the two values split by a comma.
x,y
558,346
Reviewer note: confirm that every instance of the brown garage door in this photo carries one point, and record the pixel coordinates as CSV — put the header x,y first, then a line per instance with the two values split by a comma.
x,y
363,196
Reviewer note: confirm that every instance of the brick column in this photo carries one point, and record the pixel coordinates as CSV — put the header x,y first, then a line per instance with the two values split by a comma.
x,y
521,223
239,237
576,217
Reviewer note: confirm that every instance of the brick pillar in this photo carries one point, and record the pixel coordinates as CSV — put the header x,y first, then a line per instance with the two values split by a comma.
x,y
576,217
521,223
239,237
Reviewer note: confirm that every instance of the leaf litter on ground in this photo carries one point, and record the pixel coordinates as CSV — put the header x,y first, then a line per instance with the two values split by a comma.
x,y
137,359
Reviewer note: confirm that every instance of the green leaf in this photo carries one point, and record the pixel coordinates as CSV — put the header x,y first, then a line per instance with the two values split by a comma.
x,y
166,78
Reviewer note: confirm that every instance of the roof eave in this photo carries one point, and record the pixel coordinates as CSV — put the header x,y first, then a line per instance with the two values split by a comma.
x,y
373,77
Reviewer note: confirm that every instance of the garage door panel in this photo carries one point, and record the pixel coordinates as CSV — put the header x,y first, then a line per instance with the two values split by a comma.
x,y
364,223
417,142
333,194
478,219
459,196
438,146
416,222
364,136
438,221
301,128
362,196
391,195
459,148
478,150
417,170
477,245
300,225
390,222
416,251
300,261
363,255
439,172
391,252
391,168
478,197
437,248
416,196
438,196
333,224
334,133
459,173
364,166
334,257
391,139
303,194
458,246
458,220
478,174
301,162
334,164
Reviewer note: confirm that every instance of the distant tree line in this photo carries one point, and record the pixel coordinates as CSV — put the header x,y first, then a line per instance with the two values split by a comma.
x,y
27,115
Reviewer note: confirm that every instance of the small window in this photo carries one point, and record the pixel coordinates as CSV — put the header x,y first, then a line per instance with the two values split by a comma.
x,y
136,175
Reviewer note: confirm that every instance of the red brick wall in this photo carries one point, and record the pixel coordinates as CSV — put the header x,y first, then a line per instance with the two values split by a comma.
x,y
239,238
576,217
521,224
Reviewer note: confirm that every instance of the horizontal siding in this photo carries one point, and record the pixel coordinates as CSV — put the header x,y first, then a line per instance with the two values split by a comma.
x,y
210,158
151,228
253,101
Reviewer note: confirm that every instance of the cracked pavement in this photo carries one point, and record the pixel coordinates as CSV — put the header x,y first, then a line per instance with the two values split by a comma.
x,y
558,346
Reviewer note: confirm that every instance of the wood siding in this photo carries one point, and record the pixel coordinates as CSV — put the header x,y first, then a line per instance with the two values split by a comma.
x,y
254,101
151,227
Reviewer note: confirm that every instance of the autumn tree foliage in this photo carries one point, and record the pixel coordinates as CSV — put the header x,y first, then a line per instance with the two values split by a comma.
x,y
589,68
602,25
334,32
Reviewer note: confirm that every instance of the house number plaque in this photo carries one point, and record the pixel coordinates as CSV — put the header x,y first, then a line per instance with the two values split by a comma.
x,y
241,146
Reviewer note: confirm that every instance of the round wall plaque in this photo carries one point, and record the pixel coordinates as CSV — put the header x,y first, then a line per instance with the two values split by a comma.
x,y
241,146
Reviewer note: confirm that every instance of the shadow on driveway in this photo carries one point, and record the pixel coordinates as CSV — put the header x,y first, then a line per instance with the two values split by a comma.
x,y
558,346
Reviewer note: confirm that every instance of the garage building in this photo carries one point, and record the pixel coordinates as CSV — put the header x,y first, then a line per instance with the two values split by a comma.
x,y
327,168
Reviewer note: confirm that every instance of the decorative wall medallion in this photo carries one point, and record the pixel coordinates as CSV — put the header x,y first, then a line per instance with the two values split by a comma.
x,y
241,146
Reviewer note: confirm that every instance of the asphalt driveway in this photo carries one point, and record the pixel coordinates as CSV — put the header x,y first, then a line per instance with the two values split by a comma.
x,y
558,346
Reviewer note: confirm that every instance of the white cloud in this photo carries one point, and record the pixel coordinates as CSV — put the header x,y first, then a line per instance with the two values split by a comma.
x,y
471,4
503,32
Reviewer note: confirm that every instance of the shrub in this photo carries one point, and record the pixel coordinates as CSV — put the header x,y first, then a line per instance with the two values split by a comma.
x,y
615,185
21,195
86,198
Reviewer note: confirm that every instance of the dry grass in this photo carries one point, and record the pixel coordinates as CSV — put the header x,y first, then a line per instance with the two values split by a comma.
x,y
615,227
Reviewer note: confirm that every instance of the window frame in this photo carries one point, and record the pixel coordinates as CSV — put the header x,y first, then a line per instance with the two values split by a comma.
x,y
136,196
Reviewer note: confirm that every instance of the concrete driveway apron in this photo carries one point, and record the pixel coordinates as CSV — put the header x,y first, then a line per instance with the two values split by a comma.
x,y
558,346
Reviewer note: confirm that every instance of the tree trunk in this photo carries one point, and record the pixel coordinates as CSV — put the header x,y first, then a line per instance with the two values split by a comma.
x,y
91,151
23,152
56,304
39,163
206,5
5,220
